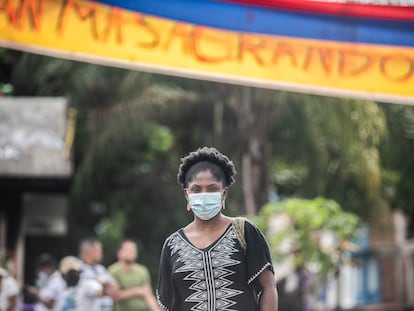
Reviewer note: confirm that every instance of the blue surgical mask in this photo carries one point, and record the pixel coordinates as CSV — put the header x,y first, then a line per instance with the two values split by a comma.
x,y
205,205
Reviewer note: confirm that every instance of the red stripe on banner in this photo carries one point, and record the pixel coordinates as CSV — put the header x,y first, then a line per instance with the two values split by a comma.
x,y
390,12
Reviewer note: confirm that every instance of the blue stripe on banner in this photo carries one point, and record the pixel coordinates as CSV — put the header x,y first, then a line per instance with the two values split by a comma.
x,y
244,18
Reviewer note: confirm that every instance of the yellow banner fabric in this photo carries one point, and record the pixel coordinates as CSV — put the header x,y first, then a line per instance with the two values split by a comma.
x,y
93,32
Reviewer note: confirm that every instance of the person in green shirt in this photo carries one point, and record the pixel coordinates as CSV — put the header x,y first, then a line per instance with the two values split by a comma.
x,y
135,292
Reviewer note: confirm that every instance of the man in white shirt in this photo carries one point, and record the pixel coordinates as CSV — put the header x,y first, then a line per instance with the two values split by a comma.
x,y
80,294
9,290
50,284
90,253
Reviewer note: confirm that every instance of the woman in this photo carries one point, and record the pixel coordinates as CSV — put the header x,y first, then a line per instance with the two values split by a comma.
x,y
204,265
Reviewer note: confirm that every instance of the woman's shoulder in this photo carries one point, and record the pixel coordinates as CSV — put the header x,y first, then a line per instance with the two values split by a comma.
x,y
244,222
248,227
172,236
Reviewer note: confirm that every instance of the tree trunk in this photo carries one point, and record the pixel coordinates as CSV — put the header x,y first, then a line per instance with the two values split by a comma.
x,y
252,123
248,192
218,123
245,125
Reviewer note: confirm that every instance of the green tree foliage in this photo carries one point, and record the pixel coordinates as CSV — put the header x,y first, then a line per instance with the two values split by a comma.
x,y
397,151
329,147
301,232
124,175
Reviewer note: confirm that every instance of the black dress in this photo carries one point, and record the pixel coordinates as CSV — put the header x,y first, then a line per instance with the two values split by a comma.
x,y
221,277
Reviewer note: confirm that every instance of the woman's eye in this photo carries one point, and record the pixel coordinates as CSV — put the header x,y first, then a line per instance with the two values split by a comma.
x,y
213,190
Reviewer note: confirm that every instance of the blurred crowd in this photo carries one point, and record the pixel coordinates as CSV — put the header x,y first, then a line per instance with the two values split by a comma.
x,y
82,283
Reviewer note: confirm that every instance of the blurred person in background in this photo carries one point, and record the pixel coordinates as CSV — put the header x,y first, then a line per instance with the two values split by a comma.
x,y
79,295
49,284
90,253
135,293
9,289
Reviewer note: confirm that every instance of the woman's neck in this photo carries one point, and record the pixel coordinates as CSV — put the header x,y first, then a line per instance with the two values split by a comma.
x,y
212,224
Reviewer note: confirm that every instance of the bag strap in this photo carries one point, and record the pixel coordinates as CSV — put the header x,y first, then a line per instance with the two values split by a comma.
x,y
238,227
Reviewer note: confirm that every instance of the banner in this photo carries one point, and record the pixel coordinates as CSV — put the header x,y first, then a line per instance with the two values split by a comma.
x,y
257,44
311,19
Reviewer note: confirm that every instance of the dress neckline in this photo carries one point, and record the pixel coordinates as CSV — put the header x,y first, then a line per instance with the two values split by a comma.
x,y
207,248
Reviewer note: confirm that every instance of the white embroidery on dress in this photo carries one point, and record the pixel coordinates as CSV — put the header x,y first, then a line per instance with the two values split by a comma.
x,y
260,271
211,291
160,303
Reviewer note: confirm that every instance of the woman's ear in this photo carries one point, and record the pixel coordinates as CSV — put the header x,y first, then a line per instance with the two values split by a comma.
x,y
223,199
225,191
186,197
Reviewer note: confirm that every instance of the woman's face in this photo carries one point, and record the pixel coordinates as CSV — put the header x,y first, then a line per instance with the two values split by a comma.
x,y
205,182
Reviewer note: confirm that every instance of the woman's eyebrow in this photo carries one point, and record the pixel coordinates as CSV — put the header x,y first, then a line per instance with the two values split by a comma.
x,y
215,184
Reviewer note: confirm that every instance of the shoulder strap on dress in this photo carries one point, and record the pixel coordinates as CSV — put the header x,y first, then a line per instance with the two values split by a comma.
x,y
238,226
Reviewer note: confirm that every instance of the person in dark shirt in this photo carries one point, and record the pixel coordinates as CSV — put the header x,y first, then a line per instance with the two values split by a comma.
x,y
216,262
